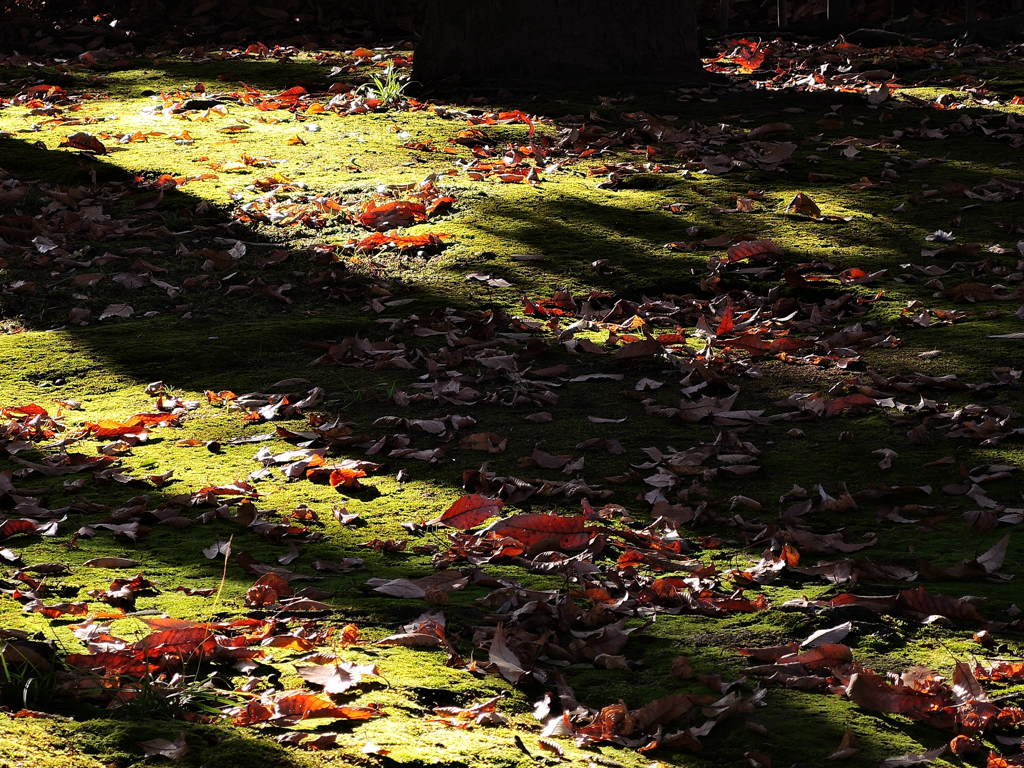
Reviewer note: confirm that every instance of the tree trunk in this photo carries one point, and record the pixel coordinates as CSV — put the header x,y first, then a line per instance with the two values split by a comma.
x,y
567,43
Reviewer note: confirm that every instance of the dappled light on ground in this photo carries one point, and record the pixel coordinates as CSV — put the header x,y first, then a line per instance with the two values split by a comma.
x,y
339,424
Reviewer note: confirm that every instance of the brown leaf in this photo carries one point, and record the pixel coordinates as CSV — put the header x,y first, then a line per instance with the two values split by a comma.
x,y
662,711
84,141
922,602
827,655
289,707
752,249
868,690
847,747
992,559
547,460
172,750
501,656
268,590
397,587
802,205
637,350
337,678
489,442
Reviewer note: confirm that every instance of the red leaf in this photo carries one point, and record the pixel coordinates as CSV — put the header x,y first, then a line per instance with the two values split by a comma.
x,y
377,241
754,343
852,273
121,663
747,56
58,609
178,642
559,304
538,531
10,528
1002,671
738,604
849,402
468,512
383,213
391,214
46,91
726,324
24,410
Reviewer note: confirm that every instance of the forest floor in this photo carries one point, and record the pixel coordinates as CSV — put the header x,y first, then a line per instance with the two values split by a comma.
x,y
644,392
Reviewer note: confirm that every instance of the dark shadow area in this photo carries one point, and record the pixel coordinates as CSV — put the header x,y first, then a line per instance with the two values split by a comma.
x,y
71,26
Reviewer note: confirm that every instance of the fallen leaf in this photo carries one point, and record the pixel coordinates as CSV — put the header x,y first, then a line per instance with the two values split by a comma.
x,y
338,677
468,512
172,750
802,205
86,142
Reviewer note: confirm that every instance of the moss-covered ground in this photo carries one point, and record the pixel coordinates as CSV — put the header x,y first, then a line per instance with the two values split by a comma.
x,y
223,325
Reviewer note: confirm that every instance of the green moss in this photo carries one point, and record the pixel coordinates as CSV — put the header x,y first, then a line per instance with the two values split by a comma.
x,y
248,343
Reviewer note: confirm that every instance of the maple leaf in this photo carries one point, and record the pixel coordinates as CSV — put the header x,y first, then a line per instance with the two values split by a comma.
x,y
747,56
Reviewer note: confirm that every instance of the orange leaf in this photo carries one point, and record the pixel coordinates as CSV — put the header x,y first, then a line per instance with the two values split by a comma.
x,y
346,477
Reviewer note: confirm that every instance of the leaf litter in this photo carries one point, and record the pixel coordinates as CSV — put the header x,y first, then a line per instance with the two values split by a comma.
x,y
613,568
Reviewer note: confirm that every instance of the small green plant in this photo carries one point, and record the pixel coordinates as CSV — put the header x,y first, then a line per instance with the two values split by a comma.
x,y
388,86
27,674
176,696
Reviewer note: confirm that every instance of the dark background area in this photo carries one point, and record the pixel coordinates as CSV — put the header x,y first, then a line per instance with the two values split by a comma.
x,y
76,25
